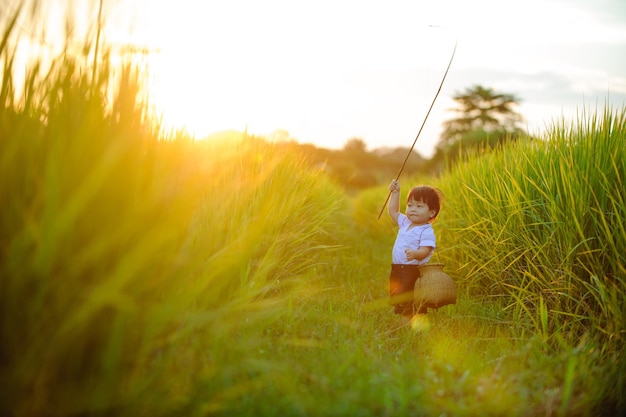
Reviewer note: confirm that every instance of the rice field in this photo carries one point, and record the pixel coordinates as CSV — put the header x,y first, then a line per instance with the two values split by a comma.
x,y
143,273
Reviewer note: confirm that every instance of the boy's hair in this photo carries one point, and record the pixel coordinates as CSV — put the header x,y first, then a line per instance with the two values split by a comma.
x,y
431,196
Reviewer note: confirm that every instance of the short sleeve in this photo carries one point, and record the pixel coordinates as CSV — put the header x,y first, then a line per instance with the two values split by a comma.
x,y
428,238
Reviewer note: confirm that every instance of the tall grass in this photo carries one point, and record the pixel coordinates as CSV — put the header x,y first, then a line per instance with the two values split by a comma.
x,y
542,223
144,273
136,264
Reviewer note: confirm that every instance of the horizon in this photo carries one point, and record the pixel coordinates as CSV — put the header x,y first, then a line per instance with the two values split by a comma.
x,y
335,70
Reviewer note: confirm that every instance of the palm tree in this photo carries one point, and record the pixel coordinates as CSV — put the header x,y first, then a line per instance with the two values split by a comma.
x,y
485,118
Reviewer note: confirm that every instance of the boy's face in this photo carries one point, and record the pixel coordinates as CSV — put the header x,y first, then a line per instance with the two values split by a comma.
x,y
418,212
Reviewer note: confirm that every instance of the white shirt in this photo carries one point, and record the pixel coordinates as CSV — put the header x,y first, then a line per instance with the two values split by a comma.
x,y
423,235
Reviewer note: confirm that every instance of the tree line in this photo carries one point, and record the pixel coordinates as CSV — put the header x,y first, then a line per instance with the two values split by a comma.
x,y
483,119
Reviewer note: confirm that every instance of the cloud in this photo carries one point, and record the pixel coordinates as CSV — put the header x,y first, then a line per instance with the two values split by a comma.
x,y
610,12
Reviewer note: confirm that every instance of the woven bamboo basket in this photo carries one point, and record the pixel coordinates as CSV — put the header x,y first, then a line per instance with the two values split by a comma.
x,y
434,288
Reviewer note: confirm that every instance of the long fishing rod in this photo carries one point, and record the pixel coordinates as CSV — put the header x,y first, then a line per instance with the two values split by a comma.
x,y
422,127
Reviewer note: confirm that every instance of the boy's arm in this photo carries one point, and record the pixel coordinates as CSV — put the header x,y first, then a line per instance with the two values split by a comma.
x,y
426,246
419,253
394,202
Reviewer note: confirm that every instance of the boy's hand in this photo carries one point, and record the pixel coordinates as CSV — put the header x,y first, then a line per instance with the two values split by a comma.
x,y
410,255
394,187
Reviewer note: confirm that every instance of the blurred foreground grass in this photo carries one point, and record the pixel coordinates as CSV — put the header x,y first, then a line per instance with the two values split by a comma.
x,y
133,259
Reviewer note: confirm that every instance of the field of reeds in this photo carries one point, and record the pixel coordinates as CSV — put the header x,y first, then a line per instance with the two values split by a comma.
x,y
143,273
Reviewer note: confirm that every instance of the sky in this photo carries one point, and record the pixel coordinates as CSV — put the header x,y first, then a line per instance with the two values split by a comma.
x,y
326,71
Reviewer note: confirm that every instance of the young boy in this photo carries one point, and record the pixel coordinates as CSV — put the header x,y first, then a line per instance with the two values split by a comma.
x,y
414,245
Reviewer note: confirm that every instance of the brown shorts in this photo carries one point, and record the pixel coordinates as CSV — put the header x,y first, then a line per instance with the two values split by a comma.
x,y
401,283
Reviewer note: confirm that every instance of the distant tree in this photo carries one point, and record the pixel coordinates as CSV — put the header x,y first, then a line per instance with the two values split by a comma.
x,y
355,145
355,150
485,118
280,136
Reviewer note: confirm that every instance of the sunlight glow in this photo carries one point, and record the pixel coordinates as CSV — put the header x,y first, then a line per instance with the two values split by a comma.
x,y
328,71
243,65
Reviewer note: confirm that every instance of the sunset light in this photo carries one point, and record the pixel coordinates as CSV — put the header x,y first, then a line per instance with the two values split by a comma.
x,y
328,71
277,67
332,70
157,260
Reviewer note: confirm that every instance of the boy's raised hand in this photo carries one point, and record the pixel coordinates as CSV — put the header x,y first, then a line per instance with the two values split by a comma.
x,y
394,186
394,200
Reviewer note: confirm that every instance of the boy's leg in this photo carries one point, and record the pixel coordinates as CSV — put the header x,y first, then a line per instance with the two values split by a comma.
x,y
401,283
